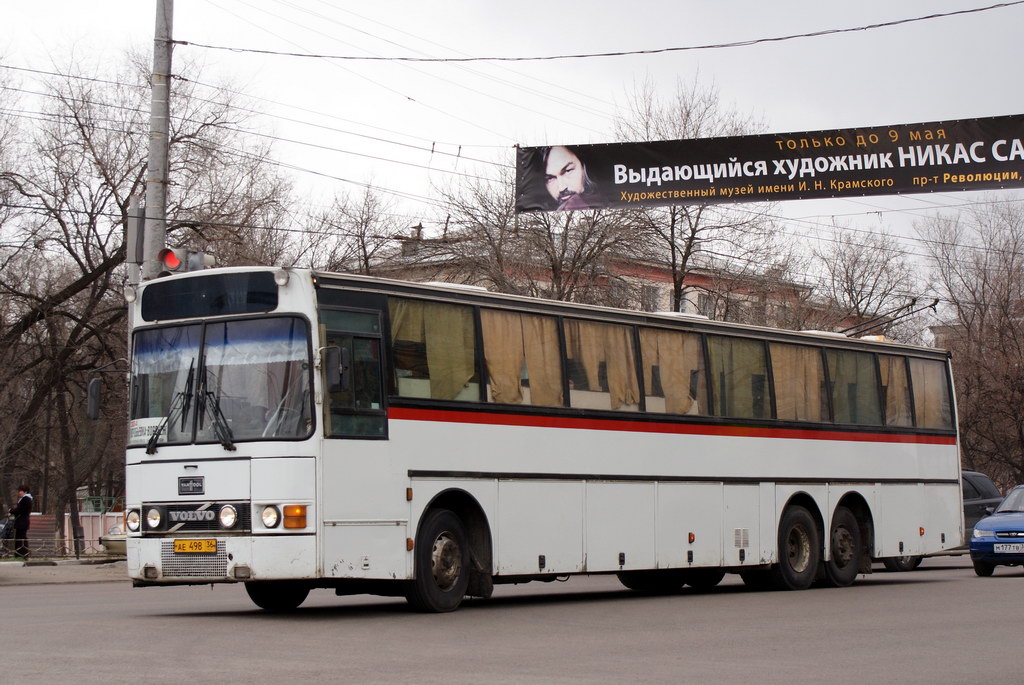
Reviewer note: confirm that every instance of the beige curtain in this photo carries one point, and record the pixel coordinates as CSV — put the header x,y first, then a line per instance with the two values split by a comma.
x,y
406,319
448,334
620,365
543,360
504,354
593,343
799,381
931,394
897,391
451,349
510,339
677,356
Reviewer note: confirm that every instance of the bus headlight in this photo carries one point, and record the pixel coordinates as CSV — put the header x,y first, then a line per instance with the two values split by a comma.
x,y
133,520
228,516
154,517
271,516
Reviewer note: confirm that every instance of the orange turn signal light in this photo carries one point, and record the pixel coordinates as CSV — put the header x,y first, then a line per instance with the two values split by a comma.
x,y
692,538
920,531
295,516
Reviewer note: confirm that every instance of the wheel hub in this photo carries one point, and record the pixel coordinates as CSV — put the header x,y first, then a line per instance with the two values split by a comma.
x,y
445,561
799,549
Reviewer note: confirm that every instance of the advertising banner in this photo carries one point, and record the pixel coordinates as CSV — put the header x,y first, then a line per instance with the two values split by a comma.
x,y
941,156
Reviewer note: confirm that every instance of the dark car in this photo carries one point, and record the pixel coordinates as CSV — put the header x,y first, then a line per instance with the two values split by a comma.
x,y
980,495
998,540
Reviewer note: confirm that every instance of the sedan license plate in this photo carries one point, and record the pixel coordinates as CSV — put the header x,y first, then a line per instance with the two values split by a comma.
x,y
195,546
1009,548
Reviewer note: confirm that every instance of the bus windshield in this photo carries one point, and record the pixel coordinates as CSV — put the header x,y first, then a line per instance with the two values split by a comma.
x,y
224,381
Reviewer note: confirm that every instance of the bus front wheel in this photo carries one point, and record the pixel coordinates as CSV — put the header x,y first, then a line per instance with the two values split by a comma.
x,y
442,563
277,595
799,550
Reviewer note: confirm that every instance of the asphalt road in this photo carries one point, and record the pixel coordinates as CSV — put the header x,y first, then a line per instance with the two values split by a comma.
x,y
940,624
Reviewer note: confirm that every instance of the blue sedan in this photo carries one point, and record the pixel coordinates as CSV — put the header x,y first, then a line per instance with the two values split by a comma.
x,y
998,540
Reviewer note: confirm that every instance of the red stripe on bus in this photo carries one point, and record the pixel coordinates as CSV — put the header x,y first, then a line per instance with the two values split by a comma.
x,y
495,419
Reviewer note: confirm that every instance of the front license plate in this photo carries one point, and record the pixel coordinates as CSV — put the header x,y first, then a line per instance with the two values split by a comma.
x,y
1014,548
195,546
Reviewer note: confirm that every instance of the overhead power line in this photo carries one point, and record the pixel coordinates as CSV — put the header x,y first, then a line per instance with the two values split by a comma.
x,y
623,53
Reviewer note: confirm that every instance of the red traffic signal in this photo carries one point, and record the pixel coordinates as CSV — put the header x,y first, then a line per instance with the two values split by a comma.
x,y
173,259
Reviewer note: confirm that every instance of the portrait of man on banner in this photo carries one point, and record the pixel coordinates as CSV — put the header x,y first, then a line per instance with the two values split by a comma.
x,y
556,179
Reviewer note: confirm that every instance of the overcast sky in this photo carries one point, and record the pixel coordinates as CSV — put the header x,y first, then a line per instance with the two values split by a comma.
x,y
947,68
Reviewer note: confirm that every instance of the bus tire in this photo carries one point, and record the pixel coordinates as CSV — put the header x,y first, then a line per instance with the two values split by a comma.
x,y
844,549
799,550
984,569
704,578
656,582
442,563
277,595
906,563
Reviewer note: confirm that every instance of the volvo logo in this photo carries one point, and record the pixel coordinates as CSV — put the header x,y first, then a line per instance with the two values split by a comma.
x,y
185,516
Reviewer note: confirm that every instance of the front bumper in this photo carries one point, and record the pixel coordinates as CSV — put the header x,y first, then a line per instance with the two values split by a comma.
x,y
983,549
152,560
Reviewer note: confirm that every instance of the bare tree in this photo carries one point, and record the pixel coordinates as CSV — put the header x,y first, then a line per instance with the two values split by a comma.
x,y
352,234
66,176
682,236
978,266
558,255
867,277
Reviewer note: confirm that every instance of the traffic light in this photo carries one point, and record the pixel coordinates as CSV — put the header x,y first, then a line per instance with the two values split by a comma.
x,y
178,260
173,260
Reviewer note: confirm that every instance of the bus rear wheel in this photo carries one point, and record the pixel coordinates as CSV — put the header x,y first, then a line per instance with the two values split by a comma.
x,y
844,549
799,550
277,595
442,563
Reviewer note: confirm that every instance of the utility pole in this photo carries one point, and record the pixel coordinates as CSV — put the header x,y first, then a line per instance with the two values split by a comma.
x,y
155,238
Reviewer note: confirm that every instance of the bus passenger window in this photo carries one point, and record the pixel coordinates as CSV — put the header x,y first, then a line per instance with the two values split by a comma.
x,y
855,389
738,374
799,377
434,349
601,364
523,361
932,408
895,390
673,364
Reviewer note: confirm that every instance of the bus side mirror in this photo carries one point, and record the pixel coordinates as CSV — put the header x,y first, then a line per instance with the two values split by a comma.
x,y
333,371
93,394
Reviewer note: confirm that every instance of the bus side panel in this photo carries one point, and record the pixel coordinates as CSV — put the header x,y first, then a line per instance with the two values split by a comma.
x,y
902,512
364,511
741,525
539,519
685,508
946,518
620,526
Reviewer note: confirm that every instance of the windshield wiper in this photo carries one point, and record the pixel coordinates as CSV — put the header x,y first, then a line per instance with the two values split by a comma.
x,y
182,402
221,429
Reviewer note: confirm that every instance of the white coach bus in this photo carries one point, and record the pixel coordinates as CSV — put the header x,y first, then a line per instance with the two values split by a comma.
x,y
293,430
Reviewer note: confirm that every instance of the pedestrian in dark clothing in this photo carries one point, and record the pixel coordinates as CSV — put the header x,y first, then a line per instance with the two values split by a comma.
x,y
21,512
